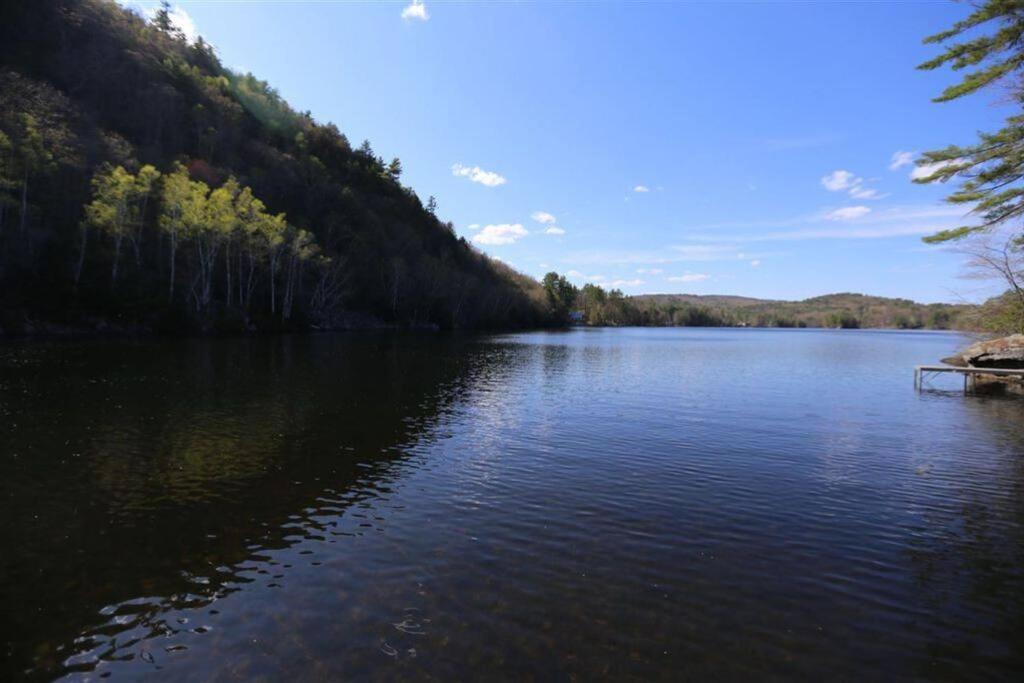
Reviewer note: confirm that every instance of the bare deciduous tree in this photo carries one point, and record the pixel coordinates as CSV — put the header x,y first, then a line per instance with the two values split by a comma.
x,y
999,256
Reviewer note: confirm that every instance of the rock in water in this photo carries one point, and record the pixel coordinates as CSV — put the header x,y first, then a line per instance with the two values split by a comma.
x,y
1007,352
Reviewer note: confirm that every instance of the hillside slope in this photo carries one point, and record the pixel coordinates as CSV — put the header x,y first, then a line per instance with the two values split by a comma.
x,y
93,95
831,310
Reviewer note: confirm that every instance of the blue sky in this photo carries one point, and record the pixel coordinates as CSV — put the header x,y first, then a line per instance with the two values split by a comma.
x,y
726,148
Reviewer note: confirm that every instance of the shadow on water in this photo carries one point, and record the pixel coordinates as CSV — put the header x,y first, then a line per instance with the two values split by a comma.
x,y
144,478
966,550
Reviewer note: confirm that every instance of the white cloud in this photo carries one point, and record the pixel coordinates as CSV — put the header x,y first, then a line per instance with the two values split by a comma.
x,y
478,175
503,233
473,226
626,283
184,22
543,217
641,188
689,277
417,10
847,213
554,230
901,159
755,263
845,181
179,17
926,170
836,181
649,271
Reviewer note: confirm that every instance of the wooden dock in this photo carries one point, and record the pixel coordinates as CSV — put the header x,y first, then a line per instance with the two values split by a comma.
x,y
923,372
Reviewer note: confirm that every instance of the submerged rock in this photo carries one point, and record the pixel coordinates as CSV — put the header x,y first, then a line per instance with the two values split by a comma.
x,y
1007,352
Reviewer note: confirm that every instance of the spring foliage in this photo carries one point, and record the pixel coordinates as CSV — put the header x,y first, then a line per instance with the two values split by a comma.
x,y
142,181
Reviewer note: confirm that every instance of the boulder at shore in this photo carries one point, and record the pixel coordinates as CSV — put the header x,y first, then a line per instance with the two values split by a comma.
x,y
1007,352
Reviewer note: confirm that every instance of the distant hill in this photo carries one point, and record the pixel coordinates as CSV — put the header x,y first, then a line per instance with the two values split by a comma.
x,y
831,310
102,109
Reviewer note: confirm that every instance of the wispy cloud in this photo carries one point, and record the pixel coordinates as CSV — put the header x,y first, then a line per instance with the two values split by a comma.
x,y
636,282
554,230
543,217
581,276
865,193
797,142
641,188
655,257
478,175
718,245
417,10
899,221
731,241
689,277
500,234
847,213
900,159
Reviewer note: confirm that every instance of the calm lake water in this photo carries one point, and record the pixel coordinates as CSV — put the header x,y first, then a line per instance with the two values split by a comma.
x,y
636,503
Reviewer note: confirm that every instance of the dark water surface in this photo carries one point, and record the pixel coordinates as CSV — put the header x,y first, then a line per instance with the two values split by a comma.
x,y
669,504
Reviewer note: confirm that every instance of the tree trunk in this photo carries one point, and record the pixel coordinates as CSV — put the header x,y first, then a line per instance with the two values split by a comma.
x,y
227,274
24,202
117,257
136,235
174,248
273,293
81,256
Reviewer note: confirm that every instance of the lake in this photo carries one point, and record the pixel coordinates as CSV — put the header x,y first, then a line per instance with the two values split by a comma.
x,y
620,503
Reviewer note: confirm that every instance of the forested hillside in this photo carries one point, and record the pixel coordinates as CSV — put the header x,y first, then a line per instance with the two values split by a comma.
x,y
832,310
593,305
144,184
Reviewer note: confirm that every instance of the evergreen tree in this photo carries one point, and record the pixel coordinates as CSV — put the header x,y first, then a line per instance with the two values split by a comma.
x,y
990,171
395,169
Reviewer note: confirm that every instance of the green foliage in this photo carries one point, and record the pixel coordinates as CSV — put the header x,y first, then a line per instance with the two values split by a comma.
x,y
598,307
210,240
1003,314
395,169
990,172
561,294
843,321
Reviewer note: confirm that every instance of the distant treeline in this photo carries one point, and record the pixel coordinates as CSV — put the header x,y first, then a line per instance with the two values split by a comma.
x,y
592,305
144,183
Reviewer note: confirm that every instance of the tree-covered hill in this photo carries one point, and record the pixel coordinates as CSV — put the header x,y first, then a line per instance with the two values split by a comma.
x,y
831,310
142,182
593,305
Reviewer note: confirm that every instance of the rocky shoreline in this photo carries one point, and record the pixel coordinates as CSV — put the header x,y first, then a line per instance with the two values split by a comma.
x,y
1005,352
